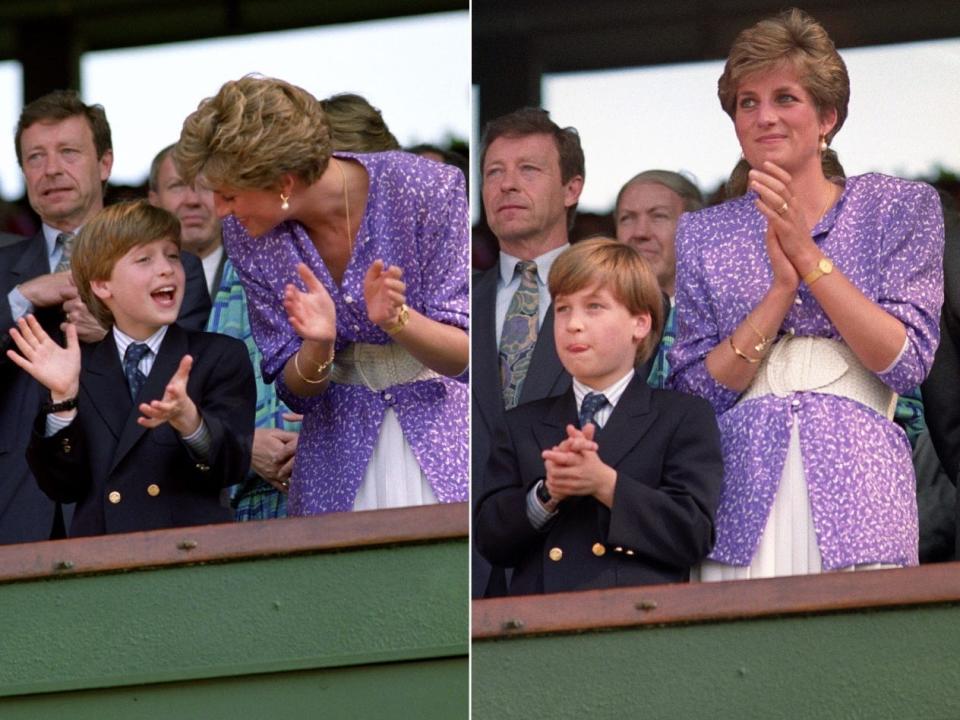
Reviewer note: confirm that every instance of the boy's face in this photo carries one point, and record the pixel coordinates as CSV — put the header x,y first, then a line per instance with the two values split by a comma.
x,y
596,335
145,289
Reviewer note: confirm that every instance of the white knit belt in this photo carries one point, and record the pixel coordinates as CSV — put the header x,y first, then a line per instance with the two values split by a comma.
x,y
821,365
378,366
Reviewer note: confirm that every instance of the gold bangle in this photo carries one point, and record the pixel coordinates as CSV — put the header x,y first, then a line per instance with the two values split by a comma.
x,y
403,317
326,366
752,361
764,343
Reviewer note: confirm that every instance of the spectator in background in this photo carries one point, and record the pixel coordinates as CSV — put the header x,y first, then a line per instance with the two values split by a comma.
x,y
647,211
386,425
193,206
532,172
356,125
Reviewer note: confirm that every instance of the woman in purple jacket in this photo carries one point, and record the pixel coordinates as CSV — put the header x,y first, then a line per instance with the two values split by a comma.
x,y
803,307
356,273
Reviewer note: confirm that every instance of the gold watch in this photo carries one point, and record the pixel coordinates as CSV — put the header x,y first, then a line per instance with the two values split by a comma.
x,y
824,267
403,317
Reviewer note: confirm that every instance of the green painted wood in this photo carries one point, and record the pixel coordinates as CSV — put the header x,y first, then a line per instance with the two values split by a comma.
x,y
896,663
425,689
382,617
892,665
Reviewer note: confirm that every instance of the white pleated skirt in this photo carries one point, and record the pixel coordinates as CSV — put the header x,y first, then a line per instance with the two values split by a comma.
x,y
788,545
393,477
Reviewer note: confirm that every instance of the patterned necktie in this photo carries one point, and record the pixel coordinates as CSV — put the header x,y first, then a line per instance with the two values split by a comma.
x,y
65,241
592,402
131,359
519,334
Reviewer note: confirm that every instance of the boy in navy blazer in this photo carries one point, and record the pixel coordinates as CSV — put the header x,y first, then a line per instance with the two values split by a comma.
x,y
612,483
144,428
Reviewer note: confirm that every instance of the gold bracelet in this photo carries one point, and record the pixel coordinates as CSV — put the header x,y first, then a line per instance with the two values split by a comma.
x,y
403,317
760,347
752,361
326,366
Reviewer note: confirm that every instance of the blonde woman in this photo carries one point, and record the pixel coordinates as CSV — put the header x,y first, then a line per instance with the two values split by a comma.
x,y
355,269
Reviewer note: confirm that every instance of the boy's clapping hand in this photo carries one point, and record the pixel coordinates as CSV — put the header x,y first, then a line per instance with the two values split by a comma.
x,y
175,407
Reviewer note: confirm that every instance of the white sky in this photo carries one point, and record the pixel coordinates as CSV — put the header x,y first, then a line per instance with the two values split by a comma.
x,y
416,70
904,117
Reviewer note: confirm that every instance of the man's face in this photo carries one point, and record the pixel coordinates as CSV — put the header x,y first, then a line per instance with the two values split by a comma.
x,y
63,173
523,193
647,219
199,225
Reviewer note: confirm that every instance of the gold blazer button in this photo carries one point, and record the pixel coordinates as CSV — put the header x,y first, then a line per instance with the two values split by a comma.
x,y
114,497
556,554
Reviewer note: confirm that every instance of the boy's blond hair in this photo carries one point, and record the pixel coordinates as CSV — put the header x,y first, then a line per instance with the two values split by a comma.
x,y
110,235
619,268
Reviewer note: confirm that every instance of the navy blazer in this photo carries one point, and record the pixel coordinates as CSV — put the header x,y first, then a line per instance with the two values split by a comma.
x,y
26,514
125,477
665,447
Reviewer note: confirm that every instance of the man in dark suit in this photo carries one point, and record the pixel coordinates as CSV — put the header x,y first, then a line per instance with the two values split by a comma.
x,y
532,174
65,151
612,483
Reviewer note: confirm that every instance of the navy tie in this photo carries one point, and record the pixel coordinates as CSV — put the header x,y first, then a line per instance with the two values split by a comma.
x,y
592,402
131,359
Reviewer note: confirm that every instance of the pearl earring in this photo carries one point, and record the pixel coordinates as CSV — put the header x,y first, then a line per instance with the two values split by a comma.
x,y
284,204
823,144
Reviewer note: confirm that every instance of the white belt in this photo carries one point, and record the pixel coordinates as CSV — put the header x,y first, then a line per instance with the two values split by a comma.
x,y
378,366
821,365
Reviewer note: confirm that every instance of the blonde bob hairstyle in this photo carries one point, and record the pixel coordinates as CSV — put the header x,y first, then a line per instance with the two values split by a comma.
x,y
794,38
619,268
253,131
111,234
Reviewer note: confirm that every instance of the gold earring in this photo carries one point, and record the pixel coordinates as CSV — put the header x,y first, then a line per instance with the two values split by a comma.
x,y
284,204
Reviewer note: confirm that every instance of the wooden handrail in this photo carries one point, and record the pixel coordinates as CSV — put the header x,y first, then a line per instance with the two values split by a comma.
x,y
233,541
705,602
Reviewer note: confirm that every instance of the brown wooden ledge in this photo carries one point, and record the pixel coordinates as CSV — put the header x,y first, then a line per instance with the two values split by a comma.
x,y
685,603
232,541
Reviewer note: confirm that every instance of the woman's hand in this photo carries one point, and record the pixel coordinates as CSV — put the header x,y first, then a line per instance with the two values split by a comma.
x,y
784,215
56,368
312,314
384,292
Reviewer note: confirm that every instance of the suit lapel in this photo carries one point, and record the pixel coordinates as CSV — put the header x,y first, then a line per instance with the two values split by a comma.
x,y
102,378
552,427
172,350
484,365
628,423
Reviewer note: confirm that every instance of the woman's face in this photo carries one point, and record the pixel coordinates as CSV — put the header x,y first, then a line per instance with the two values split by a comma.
x,y
776,119
257,210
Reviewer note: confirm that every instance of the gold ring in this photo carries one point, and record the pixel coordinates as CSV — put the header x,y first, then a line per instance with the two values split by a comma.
x,y
783,209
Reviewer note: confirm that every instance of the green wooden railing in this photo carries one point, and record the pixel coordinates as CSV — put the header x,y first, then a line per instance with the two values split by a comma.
x,y
353,615
871,645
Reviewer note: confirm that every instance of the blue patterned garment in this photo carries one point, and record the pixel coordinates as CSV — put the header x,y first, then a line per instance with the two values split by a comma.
x,y
909,415
255,498
661,366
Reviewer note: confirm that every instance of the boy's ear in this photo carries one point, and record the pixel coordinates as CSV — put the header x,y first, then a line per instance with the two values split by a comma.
x,y
642,325
101,288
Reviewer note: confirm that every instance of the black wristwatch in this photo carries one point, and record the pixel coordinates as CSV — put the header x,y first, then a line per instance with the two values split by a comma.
x,y
543,495
48,408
